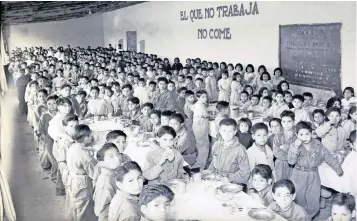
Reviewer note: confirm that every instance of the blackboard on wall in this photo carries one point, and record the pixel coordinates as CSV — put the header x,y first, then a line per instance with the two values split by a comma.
x,y
131,41
310,55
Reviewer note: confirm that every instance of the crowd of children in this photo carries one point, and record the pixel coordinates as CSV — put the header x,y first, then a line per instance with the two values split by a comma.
x,y
276,159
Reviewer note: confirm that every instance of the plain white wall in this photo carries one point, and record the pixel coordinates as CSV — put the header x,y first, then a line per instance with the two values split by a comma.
x,y
255,39
75,32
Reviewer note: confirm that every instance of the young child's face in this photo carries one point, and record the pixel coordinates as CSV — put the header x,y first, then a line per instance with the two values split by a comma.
x,y
275,127
261,137
34,87
166,141
204,73
288,98
180,79
243,97
304,135
130,78
132,183
198,84
283,197
126,92
115,88
94,94
279,98
287,123
182,94
141,84
297,103
260,183
266,103
224,76
265,77
152,87
318,118
188,81
334,117
249,90
227,132
65,108
243,127
211,73
155,120
337,104
341,213
132,106
157,209
175,124
307,101
171,87
255,101
284,87
120,142
165,120
354,116
69,129
111,158
108,92
191,98
146,111
48,89
162,85
41,97
203,98
347,94
66,92
249,70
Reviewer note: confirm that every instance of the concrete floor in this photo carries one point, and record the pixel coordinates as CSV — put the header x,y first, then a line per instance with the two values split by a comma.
x,y
32,191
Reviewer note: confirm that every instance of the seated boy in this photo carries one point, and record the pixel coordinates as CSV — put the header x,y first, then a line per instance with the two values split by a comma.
x,y
105,188
300,113
260,152
164,163
134,109
154,202
284,205
261,189
223,113
144,118
82,102
165,117
118,138
230,158
343,207
181,100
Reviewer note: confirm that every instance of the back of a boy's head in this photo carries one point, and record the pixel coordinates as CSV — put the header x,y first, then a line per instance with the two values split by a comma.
x,y
81,131
124,169
263,170
259,126
69,118
228,122
105,147
344,199
284,183
112,135
222,105
152,191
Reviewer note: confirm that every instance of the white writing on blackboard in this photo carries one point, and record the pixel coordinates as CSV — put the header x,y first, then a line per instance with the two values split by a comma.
x,y
235,10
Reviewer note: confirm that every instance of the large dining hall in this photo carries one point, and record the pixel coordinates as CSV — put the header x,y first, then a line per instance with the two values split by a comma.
x,y
178,111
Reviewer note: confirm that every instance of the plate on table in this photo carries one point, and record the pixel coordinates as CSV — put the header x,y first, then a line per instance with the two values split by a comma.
x,y
261,214
230,188
211,177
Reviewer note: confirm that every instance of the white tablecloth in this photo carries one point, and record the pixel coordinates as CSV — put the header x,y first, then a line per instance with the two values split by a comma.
x,y
198,203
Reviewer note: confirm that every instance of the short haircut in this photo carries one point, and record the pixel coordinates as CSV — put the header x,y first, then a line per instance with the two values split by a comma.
x,y
166,130
180,89
152,191
189,92
256,96
263,170
115,84
95,88
200,93
246,121
189,77
178,117
199,79
81,131
287,93
112,135
157,113
284,183
221,105
287,113
299,97
63,100
166,113
81,92
134,100
163,79
150,105
69,118
344,199
127,86
259,126
105,147
52,97
265,73
142,80
66,86
228,122
33,83
303,125
333,109
276,120
124,169
96,80
245,92
44,91
320,111
152,83
268,98
307,94
279,92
